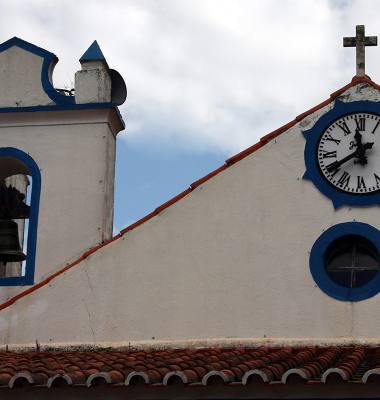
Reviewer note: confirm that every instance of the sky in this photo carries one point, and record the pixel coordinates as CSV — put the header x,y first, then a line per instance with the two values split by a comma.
x,y
205,78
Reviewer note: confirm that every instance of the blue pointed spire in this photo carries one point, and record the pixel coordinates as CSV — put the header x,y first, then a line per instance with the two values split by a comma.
x,y
93,53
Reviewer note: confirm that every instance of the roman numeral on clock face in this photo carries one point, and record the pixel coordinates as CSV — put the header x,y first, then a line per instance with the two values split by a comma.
x,y
329,137
361,183
329,154
377,179
360,124
374,129
335,172
345,128
344,179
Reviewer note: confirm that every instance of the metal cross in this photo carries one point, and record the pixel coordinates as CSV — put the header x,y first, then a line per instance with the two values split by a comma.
x,y
360,41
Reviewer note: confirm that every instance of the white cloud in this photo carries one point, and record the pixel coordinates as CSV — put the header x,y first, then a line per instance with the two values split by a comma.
x,y
204,75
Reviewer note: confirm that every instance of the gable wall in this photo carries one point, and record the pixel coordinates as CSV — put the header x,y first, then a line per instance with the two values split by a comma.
x,y
230,260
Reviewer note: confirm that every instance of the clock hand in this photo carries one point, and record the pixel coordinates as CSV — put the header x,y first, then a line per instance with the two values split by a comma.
x,y
362,158
358,152
361,148
337,164
367,146
358,138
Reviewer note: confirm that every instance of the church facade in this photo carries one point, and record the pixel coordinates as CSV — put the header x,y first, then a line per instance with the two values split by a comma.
x,y
259,281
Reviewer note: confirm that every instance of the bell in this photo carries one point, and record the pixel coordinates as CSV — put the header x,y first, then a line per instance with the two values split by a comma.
x,y
10,250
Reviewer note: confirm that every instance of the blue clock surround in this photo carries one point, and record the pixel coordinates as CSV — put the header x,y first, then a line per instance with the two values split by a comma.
x,y
318,261
313,174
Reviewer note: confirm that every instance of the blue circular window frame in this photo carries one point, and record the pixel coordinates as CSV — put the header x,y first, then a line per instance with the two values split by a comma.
x,y
318,257
28,278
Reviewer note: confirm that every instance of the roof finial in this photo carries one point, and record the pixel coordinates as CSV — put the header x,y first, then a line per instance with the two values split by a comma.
x,y
360,41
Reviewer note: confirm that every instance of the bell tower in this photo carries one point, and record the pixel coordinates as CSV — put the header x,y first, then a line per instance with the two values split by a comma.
x,y
62,147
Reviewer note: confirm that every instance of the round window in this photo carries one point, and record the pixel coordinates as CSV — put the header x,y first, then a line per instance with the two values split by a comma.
x,y
344,261
351,261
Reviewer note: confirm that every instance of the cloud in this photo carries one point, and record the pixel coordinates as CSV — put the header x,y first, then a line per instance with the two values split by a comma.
x,y
204,76
210,75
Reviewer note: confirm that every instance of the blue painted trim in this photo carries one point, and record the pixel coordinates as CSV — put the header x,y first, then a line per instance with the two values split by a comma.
x,y
318,255
93,53
59,107
28,278
312,171
48,59
88,106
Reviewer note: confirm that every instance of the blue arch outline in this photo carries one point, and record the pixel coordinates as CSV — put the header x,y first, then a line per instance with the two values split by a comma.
x,y
312,172
28,278
318,268
48,59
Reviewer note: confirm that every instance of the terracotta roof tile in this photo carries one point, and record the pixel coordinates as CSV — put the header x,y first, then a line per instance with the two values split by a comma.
x,y
312,365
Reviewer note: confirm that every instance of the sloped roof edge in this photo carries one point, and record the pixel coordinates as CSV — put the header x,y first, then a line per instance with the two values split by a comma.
x,y
264,140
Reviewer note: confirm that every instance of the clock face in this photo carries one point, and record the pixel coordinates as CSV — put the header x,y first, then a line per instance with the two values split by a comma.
x,y
348,153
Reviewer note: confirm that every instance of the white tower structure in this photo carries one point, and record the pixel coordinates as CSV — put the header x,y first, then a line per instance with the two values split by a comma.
x,y
66,145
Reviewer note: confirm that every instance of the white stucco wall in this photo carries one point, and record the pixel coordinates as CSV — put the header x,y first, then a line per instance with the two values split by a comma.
x,y
230,260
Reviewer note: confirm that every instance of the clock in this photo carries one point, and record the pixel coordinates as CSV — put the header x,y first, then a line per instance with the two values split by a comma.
x,y
342,154
347,151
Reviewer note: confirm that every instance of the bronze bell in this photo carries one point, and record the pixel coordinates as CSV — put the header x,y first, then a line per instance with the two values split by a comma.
x,y
10,250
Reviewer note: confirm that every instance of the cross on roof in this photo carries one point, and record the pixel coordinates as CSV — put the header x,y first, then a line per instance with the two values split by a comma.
x,y
360,41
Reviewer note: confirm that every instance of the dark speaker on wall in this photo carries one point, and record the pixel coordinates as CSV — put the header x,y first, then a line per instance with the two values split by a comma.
x,y
118,88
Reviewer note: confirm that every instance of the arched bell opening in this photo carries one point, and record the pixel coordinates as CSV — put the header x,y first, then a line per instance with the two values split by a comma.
x,y
20,186
14,215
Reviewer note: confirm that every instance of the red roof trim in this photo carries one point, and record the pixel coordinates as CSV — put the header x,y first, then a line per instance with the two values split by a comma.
x,y
208,176
139,222
264,140
173,200
355,81
305,114
87,253
245,153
